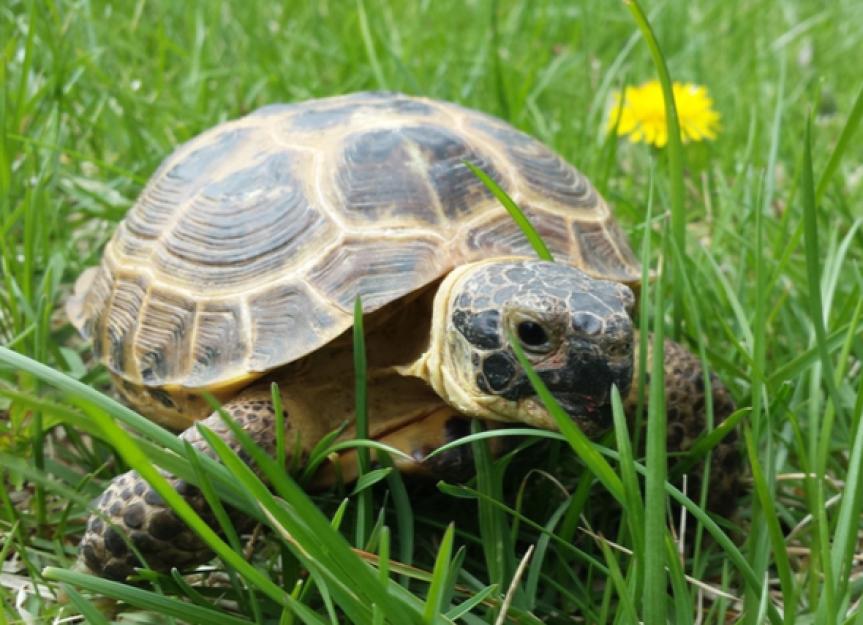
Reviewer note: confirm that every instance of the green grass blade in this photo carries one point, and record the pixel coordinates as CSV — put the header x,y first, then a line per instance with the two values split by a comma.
x,y
813,274
361,410
634,505
847,524
89,611
627,612
774,530
674,151
469,604
368,42
144,599
321,547
136,459
497,545
295,531
514,211
655,577
848,130
440,575
582,446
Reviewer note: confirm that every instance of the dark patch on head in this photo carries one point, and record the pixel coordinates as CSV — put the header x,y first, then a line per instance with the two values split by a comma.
x,y
95,525
577,326
481,329
499,369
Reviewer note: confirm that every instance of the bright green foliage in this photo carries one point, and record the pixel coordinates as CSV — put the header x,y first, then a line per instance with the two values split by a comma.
x,y
758,236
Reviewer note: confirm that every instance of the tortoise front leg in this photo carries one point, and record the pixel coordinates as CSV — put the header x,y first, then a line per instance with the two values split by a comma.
x,y
686,410
417,439
130,506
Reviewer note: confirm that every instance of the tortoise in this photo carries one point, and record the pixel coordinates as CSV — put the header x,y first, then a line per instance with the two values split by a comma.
x,y
240,263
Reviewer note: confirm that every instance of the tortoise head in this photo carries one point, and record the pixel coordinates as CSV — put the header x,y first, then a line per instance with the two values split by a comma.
x,y
575,330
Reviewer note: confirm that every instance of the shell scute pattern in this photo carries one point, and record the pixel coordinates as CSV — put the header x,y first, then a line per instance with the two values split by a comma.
x,y
244,227
177,180
502,236
374,179
605,249
164,329
458,189
285,318
411,173
377,273
219,342
121,322
546,173
247,248
370,104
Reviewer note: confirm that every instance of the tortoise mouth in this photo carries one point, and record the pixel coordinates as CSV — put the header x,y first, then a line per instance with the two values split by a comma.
x,y
592,413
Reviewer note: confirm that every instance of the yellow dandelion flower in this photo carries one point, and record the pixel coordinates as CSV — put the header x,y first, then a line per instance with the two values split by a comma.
x,y
641,111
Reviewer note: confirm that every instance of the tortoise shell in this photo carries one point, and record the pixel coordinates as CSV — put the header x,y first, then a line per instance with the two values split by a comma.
x,y
247,248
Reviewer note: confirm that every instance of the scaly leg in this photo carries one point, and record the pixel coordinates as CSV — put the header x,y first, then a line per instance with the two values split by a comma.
x,y
129,505
686,411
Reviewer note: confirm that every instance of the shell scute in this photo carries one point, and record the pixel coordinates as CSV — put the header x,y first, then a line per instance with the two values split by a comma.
x,y
376,273
176,181
246,226
121,321
379,176
220,342
284,318
605,250
164,329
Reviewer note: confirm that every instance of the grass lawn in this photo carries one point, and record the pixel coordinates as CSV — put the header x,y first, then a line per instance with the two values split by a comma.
x,y
765,285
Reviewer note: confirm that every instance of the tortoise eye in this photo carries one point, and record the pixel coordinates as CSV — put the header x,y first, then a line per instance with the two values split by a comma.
x,y
532,335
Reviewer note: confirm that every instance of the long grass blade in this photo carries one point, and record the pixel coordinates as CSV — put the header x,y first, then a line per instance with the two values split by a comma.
x,y
514,211
361,408
144,599
582,446
674,150
439,577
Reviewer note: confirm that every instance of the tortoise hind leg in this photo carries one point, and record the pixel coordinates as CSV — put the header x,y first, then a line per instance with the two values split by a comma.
x,y
129,506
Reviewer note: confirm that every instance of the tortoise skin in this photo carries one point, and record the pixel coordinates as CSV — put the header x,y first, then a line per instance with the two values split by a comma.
x,y
246,249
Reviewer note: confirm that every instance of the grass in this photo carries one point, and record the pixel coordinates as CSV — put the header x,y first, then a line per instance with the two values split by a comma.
x,y
766,286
